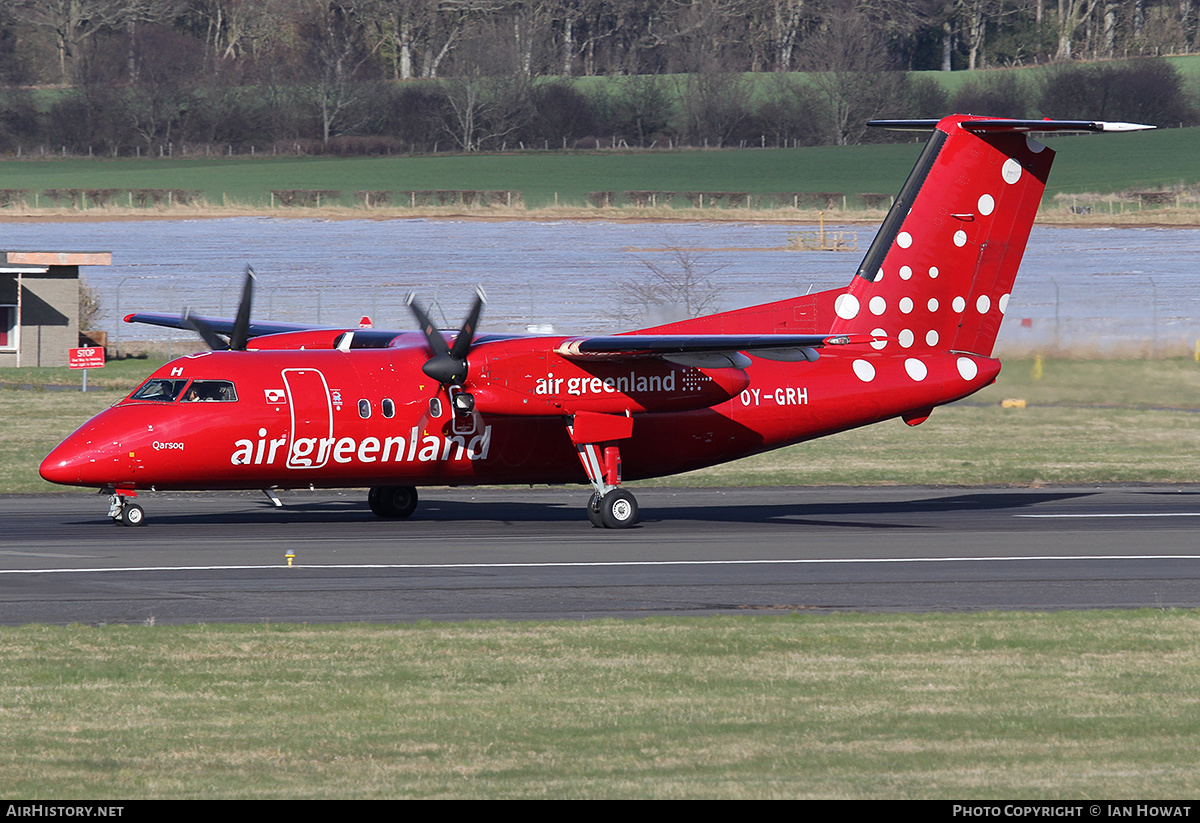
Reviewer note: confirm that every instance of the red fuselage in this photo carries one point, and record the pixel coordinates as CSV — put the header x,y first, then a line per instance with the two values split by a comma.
x,y
329,418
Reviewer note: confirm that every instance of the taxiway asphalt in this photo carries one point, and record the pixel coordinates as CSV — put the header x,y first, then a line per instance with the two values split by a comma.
x,y
531,554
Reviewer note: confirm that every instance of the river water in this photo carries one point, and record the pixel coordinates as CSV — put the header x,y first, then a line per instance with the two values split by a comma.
x,y
1087,289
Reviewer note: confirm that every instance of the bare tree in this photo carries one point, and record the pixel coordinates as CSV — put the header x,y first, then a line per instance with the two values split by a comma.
x,y
714,104
643,106
166,79
851,71
135,12
786,20
418,36
72,22
336,53
1071,15
89,305
488,95
405,28
678,287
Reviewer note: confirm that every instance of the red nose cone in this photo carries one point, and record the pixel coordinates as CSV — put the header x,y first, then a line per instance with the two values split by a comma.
x,y
64,464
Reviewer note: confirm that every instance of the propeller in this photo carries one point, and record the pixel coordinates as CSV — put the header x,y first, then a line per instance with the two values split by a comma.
x,y
448,365
240,335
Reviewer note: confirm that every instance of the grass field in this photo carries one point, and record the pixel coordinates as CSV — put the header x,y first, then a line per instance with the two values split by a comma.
x,y
1013,706
1100,164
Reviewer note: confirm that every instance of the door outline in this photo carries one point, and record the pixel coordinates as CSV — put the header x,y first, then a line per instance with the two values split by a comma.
x,y
299,384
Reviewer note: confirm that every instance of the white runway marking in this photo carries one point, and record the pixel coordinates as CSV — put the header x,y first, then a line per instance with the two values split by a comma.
x,y
609,564
1117,514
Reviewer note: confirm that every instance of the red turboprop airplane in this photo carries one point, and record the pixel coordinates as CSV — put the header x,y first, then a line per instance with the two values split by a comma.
x,y
280,406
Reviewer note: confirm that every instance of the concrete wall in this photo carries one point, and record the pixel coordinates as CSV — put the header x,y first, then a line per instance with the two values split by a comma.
x,y
49,316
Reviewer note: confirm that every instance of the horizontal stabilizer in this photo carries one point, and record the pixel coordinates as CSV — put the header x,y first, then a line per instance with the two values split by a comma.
x,y
1024,126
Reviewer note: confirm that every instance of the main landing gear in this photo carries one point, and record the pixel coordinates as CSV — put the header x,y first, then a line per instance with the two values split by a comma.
x,y
124,512
609,507
618,509
392,501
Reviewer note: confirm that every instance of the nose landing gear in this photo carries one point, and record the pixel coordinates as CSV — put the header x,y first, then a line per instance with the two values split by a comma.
x,y
124,512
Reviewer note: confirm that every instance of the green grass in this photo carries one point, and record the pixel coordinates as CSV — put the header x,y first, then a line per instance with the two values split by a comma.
x,y
1014,706
35,421
126,374
1102,164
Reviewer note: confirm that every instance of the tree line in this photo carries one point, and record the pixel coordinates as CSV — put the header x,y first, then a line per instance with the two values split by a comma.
x,y
123,77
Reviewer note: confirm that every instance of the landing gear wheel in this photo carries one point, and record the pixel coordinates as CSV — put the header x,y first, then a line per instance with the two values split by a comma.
x,y
374,500
593,511
618,509
392,501
132,515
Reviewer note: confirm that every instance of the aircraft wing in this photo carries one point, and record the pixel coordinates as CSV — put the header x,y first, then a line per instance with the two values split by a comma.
x,y
702,349
222,325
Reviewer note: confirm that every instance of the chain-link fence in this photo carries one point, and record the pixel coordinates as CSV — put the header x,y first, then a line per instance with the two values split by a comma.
x,y
1094,291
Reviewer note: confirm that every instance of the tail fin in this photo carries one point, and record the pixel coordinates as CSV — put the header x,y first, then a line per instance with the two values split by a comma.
x,y
939,273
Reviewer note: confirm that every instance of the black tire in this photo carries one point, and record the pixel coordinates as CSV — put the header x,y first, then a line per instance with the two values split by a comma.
x,y
133,515
392,501
374,500
618,509
593,511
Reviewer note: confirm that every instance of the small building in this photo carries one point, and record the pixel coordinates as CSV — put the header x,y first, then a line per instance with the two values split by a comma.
x,y
39,304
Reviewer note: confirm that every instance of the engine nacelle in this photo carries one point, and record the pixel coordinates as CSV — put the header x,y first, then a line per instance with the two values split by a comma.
x,y
537,384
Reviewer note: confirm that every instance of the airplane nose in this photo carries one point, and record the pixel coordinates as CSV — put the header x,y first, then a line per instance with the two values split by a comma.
x,y
63,465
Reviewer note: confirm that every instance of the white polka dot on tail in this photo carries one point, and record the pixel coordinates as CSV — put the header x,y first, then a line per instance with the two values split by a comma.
x,y
846,306
967,368
915,368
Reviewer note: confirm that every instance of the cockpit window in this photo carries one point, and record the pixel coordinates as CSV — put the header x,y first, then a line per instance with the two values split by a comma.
x,y
161,391
221,391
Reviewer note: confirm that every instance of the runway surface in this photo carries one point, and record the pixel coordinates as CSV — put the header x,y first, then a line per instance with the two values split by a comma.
x,y
530,554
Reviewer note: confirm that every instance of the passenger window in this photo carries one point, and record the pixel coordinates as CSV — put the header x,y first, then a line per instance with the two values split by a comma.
x,y
364,409
435,407
388,407
210,391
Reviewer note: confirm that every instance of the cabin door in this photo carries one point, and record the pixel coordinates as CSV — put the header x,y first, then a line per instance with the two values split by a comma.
x,y
312,418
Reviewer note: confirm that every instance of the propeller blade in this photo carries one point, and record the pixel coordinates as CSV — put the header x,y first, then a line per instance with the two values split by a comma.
x,y
239,336
466,335
448,365
241,323
201,327
436,342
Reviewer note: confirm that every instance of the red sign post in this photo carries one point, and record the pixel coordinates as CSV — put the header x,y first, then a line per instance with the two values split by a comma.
x,y
85,358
